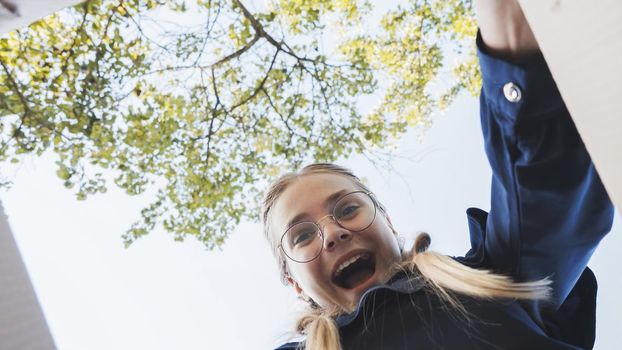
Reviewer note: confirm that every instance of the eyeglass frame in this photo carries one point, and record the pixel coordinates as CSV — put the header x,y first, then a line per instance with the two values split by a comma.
x,y
321,233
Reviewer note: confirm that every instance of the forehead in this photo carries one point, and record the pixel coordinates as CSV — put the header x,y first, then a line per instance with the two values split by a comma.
x,y
307,194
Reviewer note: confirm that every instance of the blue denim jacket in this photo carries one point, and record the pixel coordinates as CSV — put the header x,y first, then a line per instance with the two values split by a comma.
x,y
549,211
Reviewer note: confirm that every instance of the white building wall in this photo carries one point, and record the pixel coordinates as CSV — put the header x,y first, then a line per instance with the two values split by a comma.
x,y
22,324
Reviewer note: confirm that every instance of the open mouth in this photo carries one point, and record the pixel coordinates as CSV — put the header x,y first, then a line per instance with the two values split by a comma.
x,y
355,271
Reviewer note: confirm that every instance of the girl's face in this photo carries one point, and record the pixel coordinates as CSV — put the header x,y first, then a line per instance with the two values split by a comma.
x,y
371,252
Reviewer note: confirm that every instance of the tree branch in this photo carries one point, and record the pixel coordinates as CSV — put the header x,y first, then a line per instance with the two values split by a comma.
x,y
259,87
235,54
262,33
15,87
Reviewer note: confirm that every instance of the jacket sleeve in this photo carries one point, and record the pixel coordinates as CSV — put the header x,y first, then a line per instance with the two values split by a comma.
x,y
549,209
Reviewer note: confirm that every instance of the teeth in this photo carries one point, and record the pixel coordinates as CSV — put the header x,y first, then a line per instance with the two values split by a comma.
x,y
347,263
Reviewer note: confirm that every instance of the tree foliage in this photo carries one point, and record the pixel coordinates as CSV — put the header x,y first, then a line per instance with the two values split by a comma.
x,y
204,101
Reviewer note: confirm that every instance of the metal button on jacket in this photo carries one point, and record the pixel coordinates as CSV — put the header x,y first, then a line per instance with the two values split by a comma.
x,y
512,92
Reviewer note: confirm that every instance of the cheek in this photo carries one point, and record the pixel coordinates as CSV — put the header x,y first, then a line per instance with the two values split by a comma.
x,y
388,240
307,275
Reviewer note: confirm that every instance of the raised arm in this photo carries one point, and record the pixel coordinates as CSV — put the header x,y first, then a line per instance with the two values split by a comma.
x,y
549,209
504,29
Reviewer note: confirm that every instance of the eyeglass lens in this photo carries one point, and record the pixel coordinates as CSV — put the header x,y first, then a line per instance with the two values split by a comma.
x,y
303,241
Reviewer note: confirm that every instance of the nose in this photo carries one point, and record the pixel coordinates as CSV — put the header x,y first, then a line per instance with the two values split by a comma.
x,y
333,233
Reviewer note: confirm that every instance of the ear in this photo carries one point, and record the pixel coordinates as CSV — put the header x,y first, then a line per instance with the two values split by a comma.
x,y
388,219
294,285
390,223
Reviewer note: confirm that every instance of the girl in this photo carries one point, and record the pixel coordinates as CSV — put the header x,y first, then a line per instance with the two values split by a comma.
x,y
524,282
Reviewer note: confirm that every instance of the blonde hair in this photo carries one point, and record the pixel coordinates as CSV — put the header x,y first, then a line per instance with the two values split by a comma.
x,y
442,275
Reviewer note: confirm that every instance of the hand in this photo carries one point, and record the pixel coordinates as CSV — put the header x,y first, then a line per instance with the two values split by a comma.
x,y
504,29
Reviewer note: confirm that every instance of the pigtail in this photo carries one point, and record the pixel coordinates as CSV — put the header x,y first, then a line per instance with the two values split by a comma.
x,y
321,329
447,276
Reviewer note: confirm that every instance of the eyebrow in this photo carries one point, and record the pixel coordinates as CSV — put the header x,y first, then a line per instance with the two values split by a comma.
x,y
333,197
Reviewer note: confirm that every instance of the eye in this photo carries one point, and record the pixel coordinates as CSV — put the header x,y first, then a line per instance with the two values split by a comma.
x,y
302,234
347,211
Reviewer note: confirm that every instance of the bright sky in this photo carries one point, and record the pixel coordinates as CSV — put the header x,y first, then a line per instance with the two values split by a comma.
x,y
161,294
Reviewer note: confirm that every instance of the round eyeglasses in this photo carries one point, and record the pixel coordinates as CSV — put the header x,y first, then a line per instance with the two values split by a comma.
x,y
304,241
